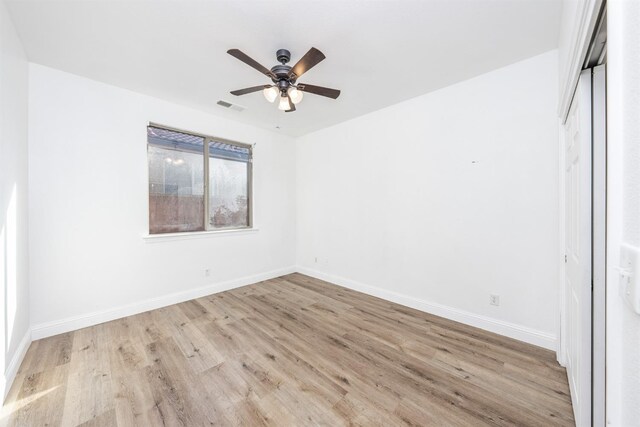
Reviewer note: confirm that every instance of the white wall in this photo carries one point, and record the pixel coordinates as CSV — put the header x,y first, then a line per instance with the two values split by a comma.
x,y
14,265
444,199
88,206
623,325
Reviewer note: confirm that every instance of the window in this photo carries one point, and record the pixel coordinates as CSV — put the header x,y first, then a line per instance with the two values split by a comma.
x,y
197,182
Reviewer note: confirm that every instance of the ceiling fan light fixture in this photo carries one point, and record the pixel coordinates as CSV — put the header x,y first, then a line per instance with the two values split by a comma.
x,y
295,95
270,93
285,78
284,104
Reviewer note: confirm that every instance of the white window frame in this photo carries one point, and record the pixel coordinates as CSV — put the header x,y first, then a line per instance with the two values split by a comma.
x,y
208,229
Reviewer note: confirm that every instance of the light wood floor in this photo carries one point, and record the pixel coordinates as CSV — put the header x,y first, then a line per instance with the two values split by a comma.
x,y
288,351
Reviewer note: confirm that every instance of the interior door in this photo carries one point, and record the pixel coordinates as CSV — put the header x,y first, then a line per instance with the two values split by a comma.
x,y
578,221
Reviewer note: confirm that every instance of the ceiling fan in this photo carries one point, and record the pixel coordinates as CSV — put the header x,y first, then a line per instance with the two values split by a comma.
x,y
285,78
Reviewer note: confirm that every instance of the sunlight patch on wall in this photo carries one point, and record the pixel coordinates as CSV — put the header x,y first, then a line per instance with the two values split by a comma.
x,y
11,266
3,278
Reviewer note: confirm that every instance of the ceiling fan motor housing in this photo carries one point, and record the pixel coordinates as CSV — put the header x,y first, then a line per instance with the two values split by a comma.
x,y
281,71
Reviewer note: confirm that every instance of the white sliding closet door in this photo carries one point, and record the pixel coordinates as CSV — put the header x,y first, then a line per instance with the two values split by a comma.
x,y
578,221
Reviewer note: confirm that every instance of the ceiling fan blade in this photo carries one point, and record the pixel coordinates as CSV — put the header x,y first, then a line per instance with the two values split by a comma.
x,y
319,90
236,53
248,90
293,106
308,61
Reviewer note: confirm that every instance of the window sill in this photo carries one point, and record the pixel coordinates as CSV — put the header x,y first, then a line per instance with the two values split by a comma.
x,y
166,237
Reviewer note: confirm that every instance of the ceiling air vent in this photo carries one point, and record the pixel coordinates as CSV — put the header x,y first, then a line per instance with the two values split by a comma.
x,y
231,106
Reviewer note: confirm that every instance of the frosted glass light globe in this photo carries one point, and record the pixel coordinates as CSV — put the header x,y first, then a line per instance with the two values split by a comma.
x,y
295,95
270,93
284,104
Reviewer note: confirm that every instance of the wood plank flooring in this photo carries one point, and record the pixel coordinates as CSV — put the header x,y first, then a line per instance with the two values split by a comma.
x,y
288,351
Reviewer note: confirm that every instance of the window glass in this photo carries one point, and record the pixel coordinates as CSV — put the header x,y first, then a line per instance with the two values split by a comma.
x,y
228,198
176,183
178,196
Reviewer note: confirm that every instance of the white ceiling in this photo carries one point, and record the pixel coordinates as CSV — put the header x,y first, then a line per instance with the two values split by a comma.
x,y
378,52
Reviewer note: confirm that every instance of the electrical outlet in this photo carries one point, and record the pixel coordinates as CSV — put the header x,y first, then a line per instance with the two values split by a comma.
x,y
494,299
316,260
207,272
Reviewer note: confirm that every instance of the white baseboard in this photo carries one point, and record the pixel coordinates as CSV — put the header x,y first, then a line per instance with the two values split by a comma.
x,y
511,330
78,322
14,364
